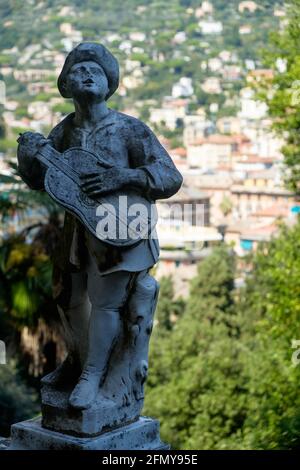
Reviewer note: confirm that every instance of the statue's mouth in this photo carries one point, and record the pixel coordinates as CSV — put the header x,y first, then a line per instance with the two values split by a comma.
x,y
89,81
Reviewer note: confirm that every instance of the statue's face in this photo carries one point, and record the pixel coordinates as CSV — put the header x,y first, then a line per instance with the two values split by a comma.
x,y
87,79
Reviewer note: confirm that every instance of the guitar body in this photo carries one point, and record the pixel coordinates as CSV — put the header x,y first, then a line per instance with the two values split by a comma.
x,y
121,219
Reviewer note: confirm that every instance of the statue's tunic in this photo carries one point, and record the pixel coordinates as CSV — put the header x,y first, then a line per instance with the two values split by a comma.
x,y
124,142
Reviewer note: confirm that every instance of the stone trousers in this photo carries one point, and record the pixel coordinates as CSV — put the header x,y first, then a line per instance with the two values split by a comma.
x,y
92,317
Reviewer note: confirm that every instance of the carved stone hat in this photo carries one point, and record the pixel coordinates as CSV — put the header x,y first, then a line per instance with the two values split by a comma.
x,y
97,53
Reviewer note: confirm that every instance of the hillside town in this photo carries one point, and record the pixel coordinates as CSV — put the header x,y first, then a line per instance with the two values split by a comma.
x,y
217,81
225,148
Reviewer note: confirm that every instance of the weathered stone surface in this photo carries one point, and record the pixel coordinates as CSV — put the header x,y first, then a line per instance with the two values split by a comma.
x,y
104,414
4,443
141,435
120,399
104,292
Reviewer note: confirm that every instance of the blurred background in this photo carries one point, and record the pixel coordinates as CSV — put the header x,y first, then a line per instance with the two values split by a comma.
x,y
219,83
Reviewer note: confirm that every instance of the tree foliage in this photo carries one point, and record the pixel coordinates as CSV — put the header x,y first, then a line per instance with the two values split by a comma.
x,y
168,309
224,378
282,93
199,396
270,305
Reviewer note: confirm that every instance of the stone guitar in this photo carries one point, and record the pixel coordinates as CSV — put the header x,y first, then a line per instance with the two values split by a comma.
x,y
127,216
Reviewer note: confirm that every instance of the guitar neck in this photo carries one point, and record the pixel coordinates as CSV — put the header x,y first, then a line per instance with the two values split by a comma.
x,y
51,157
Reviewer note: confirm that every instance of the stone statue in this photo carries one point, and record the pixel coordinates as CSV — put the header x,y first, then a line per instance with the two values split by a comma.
x,y
105,294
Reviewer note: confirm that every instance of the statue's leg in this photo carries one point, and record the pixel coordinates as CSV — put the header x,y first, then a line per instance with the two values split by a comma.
x,y
74,308
141,309
108,295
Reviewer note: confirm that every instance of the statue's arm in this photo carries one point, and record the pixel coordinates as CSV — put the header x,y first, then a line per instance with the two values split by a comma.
x,y
31,170
32,174
154,171
151,171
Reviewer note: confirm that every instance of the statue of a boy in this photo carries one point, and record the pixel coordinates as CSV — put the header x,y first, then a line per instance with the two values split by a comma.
x,y
94,281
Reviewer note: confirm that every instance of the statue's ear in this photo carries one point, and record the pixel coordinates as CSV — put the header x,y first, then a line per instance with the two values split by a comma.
x,y
64,86
107,96
64,89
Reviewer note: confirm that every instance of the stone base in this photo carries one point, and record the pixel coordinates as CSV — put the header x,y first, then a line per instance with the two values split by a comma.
x,y
4,443
102,416
141,435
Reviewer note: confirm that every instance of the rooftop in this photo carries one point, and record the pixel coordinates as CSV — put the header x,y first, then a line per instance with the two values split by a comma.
x,y
256,159
219,139
260,233
236,188
181,151
273,211
188,193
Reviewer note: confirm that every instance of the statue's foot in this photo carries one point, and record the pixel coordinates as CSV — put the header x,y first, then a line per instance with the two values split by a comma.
x,y
85,392
67,371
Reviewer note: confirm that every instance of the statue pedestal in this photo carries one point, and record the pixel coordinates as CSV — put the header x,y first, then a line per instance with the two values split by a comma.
x,y
140,435
4,443
102,416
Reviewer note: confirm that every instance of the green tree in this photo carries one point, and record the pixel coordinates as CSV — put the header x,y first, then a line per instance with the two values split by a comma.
x,y
224,377
282,93
226,206
270,304
168,309
200,395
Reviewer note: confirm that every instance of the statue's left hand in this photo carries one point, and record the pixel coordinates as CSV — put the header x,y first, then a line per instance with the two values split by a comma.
x,y
107,181
30,142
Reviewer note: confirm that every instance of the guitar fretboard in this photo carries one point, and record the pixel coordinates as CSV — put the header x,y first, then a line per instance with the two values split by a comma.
x,y
51,157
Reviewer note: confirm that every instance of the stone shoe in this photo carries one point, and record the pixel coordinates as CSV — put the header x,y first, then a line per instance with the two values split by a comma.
x,y
85,392
68,371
